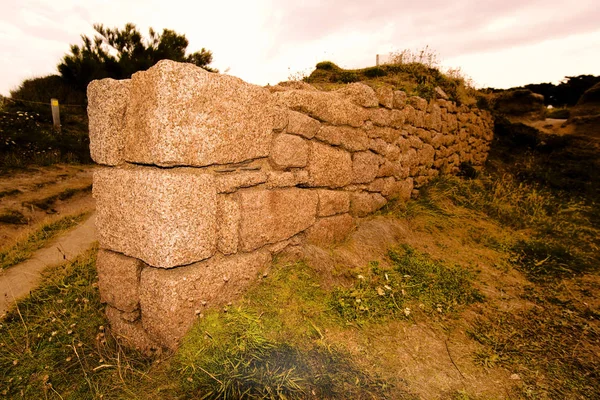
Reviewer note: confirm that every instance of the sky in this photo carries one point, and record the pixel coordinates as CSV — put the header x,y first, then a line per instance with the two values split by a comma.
x,y
496,43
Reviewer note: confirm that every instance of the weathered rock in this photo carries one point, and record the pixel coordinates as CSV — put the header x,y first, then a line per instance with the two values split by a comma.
x,y
303,125
179,114
417,102
360,94
399,99
380,116
385,186
107,102
404,189
118,280
329,166
230,182
228,221
362,204
172,299
131,333
324,106
289,151
268,216
163,217
333,202
440,94
330,230
365,165
385,95
280,179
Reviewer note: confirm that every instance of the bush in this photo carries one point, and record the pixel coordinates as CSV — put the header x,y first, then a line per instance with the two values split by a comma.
x,y
327,66
44,88
348,77
374,72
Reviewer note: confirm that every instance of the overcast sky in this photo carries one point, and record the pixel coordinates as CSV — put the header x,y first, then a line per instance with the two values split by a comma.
x,y
497,43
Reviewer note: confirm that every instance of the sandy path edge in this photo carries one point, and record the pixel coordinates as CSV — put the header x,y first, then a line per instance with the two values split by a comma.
x,y
17,281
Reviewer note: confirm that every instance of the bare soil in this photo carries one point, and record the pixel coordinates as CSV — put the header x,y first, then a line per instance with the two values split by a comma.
x,y
42,194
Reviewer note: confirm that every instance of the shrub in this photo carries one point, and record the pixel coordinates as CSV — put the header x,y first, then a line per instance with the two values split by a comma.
x,y
374,72
327,66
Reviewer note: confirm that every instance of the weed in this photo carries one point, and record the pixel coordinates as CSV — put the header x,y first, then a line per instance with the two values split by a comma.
x,y
415,280
38,239
553,349
545,259
270,346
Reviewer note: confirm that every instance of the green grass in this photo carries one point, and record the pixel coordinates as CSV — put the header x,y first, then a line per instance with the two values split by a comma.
x,y
37,239
415,283
273,345
56,344
413,77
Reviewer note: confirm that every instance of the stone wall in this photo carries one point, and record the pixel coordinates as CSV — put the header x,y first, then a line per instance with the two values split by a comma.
x,y
205,177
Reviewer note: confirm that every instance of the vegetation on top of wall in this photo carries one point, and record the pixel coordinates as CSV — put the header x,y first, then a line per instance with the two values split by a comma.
x,y
415,73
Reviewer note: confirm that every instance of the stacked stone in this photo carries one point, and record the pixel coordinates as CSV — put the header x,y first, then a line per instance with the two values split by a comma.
x,y
204,177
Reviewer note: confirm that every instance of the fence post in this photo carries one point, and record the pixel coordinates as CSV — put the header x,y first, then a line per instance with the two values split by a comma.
x,y
377,60
55,113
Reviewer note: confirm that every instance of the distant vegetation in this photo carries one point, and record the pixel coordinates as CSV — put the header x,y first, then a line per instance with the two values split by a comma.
x,y
96,58
27,135
565,94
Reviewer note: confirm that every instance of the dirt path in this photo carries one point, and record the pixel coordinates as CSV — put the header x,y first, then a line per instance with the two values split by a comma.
x,y
20,279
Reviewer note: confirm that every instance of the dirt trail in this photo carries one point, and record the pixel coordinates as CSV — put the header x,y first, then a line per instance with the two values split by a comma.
x,y
20,279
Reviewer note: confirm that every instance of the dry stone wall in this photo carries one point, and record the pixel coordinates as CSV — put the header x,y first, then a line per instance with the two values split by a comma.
x,y
204,177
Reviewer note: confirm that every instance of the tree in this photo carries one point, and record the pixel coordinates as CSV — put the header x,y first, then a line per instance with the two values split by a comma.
x,y
115,53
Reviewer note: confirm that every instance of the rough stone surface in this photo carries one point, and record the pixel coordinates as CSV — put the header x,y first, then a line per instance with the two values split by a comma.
x,y
289,151
180,114
118,280
281,179
385,95
230,182
131,333
417,102
329,166
351,139
399,99
269,216
333,202
303,125
330,230
228,221
360,94
163,217
362,204
324,106
172,299
365,166
107,102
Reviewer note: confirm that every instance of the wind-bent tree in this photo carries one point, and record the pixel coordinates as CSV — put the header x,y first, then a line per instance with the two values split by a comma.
x,y
116,53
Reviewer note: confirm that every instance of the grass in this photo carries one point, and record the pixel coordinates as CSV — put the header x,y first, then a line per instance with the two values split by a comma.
x,y
415,76
414,283
47,203
37,239
55,344
552,348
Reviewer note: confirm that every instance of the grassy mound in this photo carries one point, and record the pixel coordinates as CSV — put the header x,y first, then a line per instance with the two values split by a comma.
x,y
414,78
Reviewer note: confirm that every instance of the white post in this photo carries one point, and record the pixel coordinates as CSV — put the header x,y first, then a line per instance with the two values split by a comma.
x,y
377,60
55,113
